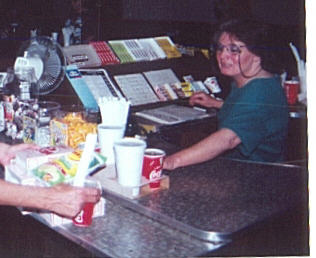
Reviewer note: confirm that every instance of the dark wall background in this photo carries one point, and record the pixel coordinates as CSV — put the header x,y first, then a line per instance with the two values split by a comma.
x,y
187,22
176,10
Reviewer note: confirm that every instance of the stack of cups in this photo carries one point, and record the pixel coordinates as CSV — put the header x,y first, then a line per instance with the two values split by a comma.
x,y
107,135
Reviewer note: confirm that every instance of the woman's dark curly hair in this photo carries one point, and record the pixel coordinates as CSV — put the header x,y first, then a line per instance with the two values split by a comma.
x,y
258,38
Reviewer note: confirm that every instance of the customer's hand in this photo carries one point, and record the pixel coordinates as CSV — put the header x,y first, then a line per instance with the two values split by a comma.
x,y
8,152
68,201
170,162
201,98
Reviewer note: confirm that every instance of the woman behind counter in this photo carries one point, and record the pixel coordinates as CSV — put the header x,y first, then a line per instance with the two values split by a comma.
x,y
253,119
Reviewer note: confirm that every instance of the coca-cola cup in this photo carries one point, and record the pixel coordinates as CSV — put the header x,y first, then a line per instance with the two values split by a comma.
x,y
152,166
84,218
291,89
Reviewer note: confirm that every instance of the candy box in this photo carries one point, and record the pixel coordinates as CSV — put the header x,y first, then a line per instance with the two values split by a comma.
x,y
15,174
30,158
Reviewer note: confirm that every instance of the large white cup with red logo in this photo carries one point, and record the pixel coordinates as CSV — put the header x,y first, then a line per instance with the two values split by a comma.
x,y
152,166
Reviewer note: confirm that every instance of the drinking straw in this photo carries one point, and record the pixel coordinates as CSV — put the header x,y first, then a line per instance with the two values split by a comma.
x,y
86,156
301,70
300,63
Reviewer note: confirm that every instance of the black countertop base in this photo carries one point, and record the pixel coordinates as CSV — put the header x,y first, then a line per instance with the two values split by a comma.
x,y
23,236
284,234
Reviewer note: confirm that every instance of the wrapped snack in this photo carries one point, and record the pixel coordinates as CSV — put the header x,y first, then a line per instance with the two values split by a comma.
x,y
64,168
50,172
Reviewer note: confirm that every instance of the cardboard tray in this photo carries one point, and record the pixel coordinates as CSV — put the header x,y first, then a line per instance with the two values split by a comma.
x,y
108,180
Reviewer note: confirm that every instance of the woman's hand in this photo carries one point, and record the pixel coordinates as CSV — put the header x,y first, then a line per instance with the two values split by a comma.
x,y
170,162
68,201
8,152
205,100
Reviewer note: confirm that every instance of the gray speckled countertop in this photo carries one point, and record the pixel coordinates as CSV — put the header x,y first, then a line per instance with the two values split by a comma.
x,y
125,233
213,201
216,199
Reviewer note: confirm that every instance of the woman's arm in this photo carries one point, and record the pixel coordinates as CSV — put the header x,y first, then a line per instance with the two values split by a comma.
x,y
206,149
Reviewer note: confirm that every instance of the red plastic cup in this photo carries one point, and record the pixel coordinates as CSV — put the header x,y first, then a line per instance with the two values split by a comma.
x,y
84,218
152,166
291,89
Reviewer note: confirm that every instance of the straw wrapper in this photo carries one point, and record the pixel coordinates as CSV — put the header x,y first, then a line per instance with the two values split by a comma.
x,y
82,170
301,69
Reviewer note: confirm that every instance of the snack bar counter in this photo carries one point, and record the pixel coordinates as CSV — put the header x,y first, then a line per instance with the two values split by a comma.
x,y
207,208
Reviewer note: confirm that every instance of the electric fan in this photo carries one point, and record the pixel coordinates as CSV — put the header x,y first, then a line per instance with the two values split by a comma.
x,y
46,57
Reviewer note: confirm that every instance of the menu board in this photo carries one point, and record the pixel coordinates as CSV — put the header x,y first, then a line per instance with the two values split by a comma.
x,y
165,83
136,89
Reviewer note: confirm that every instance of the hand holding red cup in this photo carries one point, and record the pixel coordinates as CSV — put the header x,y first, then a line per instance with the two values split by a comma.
x,y
84,218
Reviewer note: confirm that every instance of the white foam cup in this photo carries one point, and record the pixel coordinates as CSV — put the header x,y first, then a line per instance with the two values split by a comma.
x,y
129,155
107,135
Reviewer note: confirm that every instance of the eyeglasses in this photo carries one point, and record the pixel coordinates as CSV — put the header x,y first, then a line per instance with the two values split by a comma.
x,y
232,48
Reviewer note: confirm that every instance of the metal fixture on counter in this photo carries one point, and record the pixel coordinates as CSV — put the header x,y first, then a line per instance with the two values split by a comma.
x,y
38,70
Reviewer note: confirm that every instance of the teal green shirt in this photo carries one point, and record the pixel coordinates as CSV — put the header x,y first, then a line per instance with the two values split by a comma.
x,y
258,114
